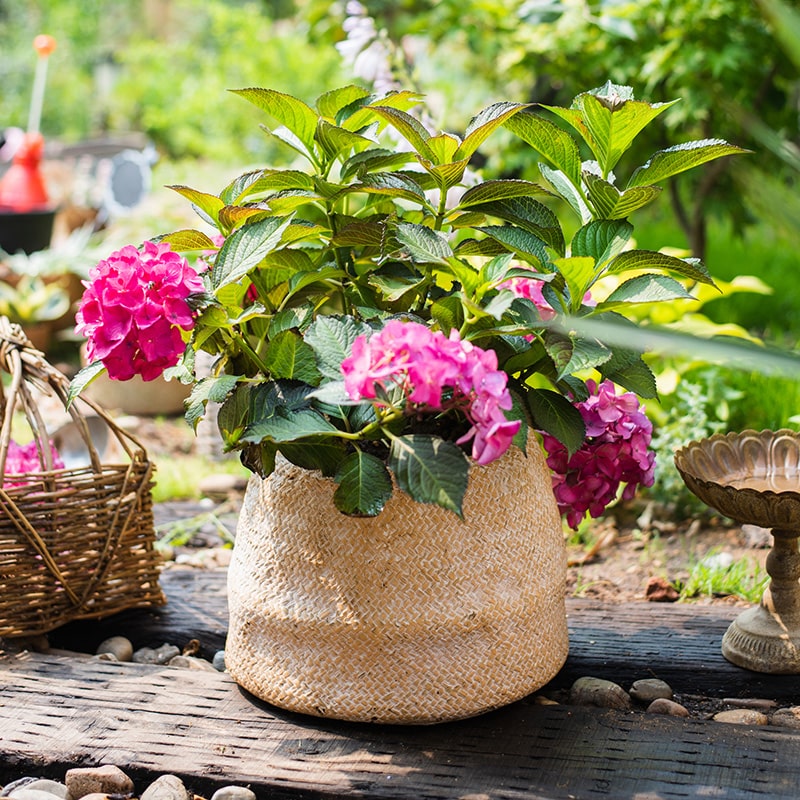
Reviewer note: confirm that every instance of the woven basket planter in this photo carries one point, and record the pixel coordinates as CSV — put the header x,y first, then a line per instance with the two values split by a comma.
x,y
77,542
409,617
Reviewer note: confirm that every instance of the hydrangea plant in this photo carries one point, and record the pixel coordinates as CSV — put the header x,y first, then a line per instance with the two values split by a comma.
x,y
371,315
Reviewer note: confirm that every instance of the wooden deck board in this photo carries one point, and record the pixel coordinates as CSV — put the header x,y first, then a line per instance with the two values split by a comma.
x,y
56,712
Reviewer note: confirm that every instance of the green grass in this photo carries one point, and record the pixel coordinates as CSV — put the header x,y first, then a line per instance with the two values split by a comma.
x,y
711,578
179,477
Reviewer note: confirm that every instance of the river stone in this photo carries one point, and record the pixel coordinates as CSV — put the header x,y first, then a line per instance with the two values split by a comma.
x,y
742,716
190,662
118,646
663,705
166,787
26,793
159,655
107,779
649,689
788,717
598,692
53,788
218,662
234,793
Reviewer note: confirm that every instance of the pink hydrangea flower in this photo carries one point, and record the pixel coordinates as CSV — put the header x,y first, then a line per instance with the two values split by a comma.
x,y
530,289
24,458
615,452
423,363
135,308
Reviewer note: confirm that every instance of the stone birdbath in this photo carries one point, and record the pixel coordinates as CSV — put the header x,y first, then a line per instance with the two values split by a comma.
x,y
754,478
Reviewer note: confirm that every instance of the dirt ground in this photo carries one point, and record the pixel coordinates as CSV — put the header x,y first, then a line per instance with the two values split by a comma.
x,y
635,555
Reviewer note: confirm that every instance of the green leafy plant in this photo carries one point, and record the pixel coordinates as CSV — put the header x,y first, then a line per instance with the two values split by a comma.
x,y
32,300
381,226
716,576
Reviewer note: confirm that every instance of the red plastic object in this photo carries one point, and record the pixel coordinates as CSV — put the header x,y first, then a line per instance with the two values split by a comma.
x,y
22,187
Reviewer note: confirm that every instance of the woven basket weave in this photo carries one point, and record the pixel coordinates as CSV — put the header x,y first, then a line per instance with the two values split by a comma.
x,y
409,617
77,542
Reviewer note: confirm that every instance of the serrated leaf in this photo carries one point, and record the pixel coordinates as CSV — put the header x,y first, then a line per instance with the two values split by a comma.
x,y
554,143
288,356
245,248
183,240
288,426
376,160
480,247
332,341
483,124
391,184
357,115
430,470
530,215
445,175
648,288
209,204
331,103
691,268
290,112
489,191
214,389
302,280
610,203
526,245
83,378
633,375
554,414
261,184
602,239
423,244
336,141
681,157
584,354
325,456
410,128
279,267
578,272
559,181
448,313
364,485
443,147
232,415
614,121
361,234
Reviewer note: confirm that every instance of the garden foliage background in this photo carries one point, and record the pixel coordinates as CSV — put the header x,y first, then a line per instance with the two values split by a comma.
x,y
162,67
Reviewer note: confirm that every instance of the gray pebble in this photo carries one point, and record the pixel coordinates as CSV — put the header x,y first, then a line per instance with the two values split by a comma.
x,y
218,662
107,779
27,793
53,788
18,784
106,657
118,646
663,705
233,793
649,689
159,655
742,716
166,787
190,662
598,692
788,717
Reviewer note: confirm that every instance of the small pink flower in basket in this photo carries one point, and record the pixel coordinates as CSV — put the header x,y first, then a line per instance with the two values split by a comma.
x,y
135,308
24,458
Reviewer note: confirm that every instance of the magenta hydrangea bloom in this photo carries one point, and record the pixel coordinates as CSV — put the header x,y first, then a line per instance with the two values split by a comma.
x,y
615,452
423,363
135,308
24,458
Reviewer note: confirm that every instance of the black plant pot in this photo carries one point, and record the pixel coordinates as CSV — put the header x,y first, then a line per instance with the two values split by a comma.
x,y
28,231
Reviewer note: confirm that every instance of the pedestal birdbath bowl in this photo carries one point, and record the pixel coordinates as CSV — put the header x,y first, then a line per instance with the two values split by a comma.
x,y
754,478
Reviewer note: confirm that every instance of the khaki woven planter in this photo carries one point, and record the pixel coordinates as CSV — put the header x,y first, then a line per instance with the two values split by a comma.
x,y
409,617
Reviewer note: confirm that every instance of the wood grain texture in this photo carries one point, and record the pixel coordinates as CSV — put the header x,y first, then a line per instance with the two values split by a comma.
x,y
58,712
200,726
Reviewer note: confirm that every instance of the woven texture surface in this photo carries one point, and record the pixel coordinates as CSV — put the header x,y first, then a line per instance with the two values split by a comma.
x,y
74,543
410,617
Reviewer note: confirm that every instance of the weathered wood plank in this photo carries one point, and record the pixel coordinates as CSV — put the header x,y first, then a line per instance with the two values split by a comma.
x,y
621,642
55,712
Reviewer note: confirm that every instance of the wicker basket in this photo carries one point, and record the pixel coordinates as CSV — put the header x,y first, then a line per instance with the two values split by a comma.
x,y
77,542
413,616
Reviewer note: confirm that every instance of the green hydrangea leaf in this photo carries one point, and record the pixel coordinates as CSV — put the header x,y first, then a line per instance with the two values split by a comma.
x,y
554,143
332,339
410,128
691,268
488,191
423,244
602,239
325,456
530,215
610,203
331,103
364,485
483,124
207,205
287,426
677,159
430,470
554,414
647,288
184,240
290,112
288,356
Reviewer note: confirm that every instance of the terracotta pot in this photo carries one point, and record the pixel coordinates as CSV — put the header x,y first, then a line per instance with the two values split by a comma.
x,y
413,616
